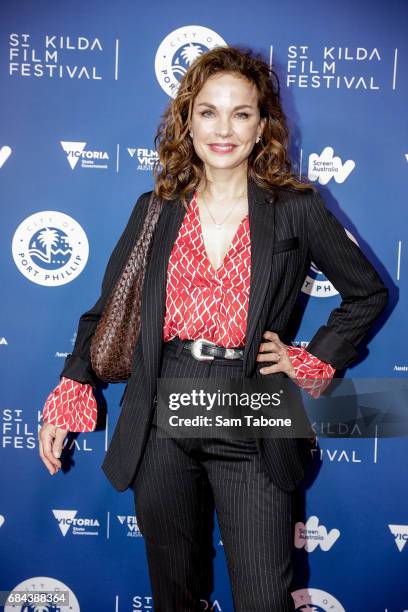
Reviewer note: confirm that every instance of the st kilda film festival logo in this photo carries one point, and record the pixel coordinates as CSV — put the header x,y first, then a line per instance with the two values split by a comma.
x,y
177,52
330,66
50,248
60,56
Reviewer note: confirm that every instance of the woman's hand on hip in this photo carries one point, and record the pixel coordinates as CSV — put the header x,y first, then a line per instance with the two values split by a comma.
x,y
274,350
51,440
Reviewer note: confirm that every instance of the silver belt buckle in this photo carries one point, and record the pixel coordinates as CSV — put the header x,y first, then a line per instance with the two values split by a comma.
x,y
195,349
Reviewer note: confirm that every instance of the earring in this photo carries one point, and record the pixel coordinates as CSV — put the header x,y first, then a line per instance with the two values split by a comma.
x,y
191,134
258,139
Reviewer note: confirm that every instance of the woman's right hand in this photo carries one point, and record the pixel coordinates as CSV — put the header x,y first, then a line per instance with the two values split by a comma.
x,y
51,439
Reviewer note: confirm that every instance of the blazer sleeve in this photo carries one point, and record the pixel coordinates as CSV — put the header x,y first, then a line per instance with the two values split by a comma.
x,y
77,365
363,294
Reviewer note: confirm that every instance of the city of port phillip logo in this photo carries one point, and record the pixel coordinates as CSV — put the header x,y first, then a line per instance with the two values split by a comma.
x,y
90,158
32,587
177,52
50,248
316,600
316,283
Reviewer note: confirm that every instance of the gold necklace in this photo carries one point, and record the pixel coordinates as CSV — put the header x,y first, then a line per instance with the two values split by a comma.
x,y
216,223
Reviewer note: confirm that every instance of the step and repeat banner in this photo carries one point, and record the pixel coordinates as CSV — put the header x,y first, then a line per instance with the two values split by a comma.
x,y
83,87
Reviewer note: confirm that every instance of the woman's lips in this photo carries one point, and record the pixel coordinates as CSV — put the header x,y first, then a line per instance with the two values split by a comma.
x,y
218,148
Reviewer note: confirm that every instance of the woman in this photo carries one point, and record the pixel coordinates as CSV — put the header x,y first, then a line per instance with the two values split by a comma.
x,y
231,250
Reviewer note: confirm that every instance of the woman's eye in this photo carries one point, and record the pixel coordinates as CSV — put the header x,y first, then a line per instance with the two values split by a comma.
x,y
240,115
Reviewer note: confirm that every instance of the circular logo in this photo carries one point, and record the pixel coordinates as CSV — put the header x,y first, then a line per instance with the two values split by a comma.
x,y
178,51
50,248
315,600
316,284
41,584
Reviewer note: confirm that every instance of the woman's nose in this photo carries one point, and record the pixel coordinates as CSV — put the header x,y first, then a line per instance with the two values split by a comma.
x,y
223,127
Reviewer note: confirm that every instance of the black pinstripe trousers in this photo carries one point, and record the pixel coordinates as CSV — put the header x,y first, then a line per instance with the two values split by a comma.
x,y
179,483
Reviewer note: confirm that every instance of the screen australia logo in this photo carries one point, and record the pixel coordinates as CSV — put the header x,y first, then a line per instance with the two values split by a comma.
x,y
322,168
89,158
310,535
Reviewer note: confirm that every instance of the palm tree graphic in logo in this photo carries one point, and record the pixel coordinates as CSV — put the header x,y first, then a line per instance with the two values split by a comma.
x,y
50,248
184,57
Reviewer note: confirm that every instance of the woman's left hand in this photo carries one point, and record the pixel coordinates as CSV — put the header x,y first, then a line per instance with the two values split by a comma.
x,y
275,350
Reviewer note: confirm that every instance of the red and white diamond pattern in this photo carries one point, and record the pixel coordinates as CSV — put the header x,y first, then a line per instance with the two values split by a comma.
x,y
202,302
312,374
72,406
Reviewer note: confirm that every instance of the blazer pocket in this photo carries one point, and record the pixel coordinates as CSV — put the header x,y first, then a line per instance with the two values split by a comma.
x,y
286,244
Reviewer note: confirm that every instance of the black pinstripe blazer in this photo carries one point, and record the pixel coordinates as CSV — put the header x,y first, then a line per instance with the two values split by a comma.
x,y
288,229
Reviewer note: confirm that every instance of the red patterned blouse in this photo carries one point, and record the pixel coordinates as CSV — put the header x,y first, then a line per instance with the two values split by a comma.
x,y
200,302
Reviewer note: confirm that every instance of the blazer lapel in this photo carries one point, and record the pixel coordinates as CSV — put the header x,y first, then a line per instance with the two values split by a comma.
x,y
154,289
261,226
261,222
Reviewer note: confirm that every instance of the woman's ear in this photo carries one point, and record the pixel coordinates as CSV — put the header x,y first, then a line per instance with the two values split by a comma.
x,y
261,127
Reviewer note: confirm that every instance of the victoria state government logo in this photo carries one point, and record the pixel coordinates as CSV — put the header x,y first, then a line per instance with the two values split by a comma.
x,y
178,51
50,248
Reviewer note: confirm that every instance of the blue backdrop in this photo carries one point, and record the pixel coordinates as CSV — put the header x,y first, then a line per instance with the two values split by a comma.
x,y
83,86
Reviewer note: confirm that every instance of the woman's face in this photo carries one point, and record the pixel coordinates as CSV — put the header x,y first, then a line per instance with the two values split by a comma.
x,y
225,121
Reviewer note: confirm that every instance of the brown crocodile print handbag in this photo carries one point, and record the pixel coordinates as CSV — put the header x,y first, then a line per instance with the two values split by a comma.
x,y
115,337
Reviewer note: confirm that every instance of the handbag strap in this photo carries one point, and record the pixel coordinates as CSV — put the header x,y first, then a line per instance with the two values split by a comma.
x,y
155,207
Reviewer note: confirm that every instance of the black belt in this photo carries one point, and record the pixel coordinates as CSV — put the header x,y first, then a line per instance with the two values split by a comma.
x,y
203,350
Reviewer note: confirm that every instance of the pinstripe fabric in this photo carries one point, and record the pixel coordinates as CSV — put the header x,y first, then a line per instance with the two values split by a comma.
x,y
179,483
288,229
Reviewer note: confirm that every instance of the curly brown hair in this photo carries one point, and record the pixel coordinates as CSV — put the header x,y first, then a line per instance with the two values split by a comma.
x,y
178,170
